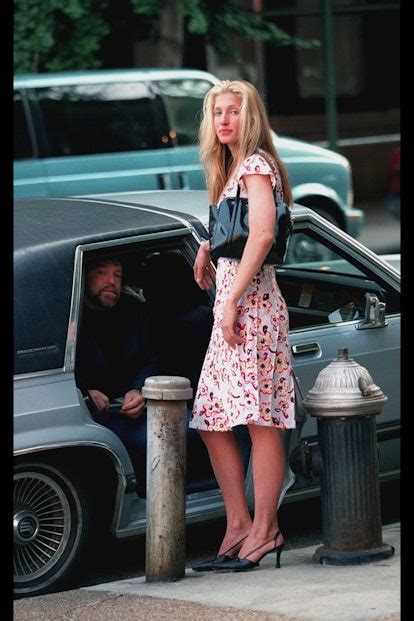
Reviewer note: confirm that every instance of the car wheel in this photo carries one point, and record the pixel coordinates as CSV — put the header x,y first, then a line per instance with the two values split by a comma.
x,y
328,216
303,249
50,525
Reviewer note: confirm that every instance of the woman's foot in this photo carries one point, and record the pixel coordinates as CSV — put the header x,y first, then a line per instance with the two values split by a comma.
x,y
221,557
233,541
258,545
254,556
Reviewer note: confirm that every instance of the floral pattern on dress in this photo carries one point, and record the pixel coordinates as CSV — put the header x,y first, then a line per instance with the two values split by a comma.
x,y
253,383
256,164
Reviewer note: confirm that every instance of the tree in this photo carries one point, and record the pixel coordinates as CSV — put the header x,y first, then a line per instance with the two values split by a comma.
x,y
52,35
215,20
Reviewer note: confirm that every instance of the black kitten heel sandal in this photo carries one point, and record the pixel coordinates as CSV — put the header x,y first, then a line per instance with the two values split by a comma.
x,y
219,558
245,564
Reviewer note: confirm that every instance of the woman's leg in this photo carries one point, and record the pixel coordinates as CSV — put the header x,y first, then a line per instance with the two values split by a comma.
x,y
228,468
268,475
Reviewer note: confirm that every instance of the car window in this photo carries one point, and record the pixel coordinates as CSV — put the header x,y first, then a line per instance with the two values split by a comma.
x,y
102,118
183,100
313,253
322,285
22,142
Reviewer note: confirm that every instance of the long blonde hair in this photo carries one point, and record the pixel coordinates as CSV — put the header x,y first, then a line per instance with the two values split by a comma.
x,y
255,134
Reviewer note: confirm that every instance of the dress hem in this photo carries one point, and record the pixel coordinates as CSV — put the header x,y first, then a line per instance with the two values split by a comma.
x,y
230,427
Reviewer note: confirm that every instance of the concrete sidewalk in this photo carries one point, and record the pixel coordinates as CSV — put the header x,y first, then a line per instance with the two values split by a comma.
x,y
300,590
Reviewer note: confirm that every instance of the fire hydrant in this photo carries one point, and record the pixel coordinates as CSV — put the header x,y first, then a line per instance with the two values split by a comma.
x,y
345,401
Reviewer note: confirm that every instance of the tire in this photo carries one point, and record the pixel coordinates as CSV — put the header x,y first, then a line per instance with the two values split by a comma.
x,y
303,249
50,526
328,216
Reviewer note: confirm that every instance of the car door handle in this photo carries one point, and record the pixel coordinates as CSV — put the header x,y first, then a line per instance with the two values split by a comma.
x,y
305,348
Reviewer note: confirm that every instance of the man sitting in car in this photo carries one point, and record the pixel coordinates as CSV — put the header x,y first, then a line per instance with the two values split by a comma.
x,y
115,356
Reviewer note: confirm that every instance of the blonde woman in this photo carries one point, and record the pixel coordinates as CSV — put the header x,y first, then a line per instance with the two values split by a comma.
x,y
246,377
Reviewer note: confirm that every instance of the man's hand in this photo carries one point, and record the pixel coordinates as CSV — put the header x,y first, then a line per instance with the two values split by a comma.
x,y
101,400
134,403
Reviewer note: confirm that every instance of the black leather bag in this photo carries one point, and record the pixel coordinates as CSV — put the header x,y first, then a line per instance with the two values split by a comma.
x,y
229,229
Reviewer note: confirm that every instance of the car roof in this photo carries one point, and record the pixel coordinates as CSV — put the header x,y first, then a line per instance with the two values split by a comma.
x,y
36,80
191,202
47,232
65,223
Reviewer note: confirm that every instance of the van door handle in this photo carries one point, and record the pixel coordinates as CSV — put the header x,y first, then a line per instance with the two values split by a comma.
x,y
183,181
305,348
164,181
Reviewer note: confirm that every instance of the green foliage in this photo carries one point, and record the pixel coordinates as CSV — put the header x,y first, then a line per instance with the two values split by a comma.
x,y
198,20
217,19
220,18
57,35
148,7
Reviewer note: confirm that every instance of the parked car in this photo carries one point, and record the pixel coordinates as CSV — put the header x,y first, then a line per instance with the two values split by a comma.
x,y
73,476
126,130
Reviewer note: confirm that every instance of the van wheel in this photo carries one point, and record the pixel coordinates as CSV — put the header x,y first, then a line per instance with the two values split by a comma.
x,y
303,248
328,216
50,524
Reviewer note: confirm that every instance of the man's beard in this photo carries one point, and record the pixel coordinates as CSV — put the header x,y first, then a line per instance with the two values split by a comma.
x,y
105,301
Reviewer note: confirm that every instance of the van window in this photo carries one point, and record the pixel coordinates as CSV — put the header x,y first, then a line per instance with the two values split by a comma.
x,y
102,118
183,100
22,144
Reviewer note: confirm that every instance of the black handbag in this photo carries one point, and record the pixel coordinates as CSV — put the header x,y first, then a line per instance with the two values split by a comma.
x,y
229,229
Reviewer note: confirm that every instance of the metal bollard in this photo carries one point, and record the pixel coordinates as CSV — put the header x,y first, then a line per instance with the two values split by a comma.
x,y
166,464
345,401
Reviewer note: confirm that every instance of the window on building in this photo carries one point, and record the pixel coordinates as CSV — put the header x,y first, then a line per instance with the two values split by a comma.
x,y
348,53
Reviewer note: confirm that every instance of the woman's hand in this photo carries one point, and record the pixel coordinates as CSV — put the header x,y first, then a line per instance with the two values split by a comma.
x,y
204,273
229,324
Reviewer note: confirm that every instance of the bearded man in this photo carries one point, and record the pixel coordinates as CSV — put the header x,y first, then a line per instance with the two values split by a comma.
x,y
115,356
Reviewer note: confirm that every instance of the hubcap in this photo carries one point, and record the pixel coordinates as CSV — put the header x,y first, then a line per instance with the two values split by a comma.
x,y
25,527
41,524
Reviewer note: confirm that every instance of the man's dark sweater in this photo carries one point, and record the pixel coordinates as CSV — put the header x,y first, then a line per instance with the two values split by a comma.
x,y
114,352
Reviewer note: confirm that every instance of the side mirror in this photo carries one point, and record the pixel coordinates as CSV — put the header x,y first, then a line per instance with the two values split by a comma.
x,y
374,313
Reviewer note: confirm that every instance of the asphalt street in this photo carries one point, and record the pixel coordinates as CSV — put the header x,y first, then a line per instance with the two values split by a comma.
x,y
380,232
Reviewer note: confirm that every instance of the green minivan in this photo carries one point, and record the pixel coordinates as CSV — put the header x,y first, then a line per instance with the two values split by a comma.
x,y
123,130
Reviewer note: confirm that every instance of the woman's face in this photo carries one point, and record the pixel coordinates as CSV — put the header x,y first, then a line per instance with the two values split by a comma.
x,y
226,113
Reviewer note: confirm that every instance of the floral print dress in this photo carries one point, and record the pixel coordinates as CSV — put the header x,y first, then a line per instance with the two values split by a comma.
x,y
252,383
